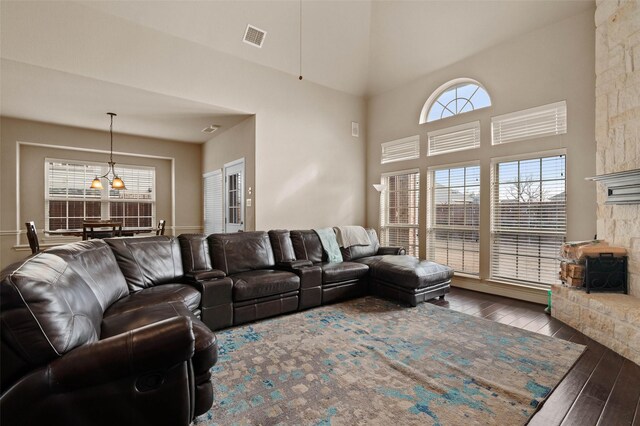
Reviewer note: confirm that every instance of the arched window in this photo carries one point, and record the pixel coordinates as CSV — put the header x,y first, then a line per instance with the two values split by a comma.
x,y
454,97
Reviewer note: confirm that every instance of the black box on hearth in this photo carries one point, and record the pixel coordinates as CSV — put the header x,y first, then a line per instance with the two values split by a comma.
x,y
606,272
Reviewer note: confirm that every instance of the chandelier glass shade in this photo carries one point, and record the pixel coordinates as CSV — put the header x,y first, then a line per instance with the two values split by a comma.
x,y
116,182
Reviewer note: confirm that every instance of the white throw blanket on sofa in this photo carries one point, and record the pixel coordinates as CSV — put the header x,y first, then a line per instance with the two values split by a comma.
x,y
348,236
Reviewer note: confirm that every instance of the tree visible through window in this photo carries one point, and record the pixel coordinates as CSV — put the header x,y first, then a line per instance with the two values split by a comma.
x,y
69,200
528,219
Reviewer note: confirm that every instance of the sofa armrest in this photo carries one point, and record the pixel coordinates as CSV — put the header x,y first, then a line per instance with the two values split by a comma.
x,y
291,265
216,292
397,250
154,347
310,276
205,275
216,302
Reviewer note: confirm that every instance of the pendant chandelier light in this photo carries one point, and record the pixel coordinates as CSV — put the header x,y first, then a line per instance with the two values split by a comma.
x,y
116,182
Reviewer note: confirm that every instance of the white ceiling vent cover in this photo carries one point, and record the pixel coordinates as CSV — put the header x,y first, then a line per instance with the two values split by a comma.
x,y
254,36
210,129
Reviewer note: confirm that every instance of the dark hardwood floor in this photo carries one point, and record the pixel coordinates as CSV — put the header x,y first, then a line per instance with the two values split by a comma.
x,y
602,388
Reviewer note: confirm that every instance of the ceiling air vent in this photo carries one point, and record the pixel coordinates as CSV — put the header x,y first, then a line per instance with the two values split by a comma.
x,y
254,36
210,129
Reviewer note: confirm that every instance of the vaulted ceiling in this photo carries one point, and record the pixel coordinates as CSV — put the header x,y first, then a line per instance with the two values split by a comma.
x,y
361,47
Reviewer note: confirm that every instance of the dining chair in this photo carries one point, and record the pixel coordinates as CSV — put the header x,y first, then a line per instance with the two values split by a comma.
x,y
32,236
160,229
101,230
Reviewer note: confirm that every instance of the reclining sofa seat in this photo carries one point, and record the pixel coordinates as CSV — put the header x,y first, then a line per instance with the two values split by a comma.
x,y
341,280
77,348
259,290
310,276
152,267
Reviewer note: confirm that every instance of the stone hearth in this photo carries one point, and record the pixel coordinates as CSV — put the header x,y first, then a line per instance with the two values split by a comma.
x,y
608,318
613,319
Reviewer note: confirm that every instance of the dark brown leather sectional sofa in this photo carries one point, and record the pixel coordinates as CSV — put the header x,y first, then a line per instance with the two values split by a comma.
x,y
118,331
104,332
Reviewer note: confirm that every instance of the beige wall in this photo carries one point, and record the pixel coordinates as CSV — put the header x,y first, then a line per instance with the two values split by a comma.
x,y
618,121
309,170
234,144
40,140
551,64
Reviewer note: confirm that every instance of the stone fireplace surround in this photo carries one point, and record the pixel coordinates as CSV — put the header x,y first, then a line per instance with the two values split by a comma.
x,y
613,319
608,318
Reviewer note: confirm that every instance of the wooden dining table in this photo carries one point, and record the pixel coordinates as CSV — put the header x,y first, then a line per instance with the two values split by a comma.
x,y
126,231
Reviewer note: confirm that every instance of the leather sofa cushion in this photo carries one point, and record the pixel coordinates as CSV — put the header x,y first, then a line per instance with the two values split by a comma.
x,y
357,252
282,246
409,272
370,260
164,293
94,261
205,355
195,252
47,308
267,282
241,251
307,246
148,261
342,271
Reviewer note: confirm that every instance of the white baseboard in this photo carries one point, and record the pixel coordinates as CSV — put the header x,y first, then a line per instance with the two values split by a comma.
x,y
514,291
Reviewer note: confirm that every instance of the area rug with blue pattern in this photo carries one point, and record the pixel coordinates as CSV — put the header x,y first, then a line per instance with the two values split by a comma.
x,y
371,361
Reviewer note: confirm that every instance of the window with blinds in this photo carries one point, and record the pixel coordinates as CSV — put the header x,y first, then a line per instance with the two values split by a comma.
x,y
69,200
401,150
213,203
399,209
134,206
528,219
546,120
451,139
453,217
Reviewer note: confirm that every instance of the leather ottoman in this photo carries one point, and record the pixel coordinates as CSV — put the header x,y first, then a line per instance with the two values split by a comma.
x,y
409,280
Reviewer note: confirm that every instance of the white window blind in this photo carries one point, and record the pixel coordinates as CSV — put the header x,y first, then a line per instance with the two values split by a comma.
x,y
453,217
399,210
400,150
546,120
213,203
457,138
528,219
69,200
134,206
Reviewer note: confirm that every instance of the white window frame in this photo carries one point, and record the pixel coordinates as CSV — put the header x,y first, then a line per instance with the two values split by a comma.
x,y
400,150
431,216
104,199
412,249
532,123
426,108
451,139
494,227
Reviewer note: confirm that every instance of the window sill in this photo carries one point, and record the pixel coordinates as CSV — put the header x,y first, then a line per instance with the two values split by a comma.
x,y
501,288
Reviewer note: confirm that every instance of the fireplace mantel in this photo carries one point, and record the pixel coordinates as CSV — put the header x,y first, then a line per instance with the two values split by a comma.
x,y
622,187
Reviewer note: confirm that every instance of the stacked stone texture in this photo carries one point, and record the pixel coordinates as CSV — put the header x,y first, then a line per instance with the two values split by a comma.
x,y
613,319
618,121
608,318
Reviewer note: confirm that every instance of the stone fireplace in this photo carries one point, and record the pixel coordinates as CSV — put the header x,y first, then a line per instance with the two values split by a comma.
x,y
613,319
